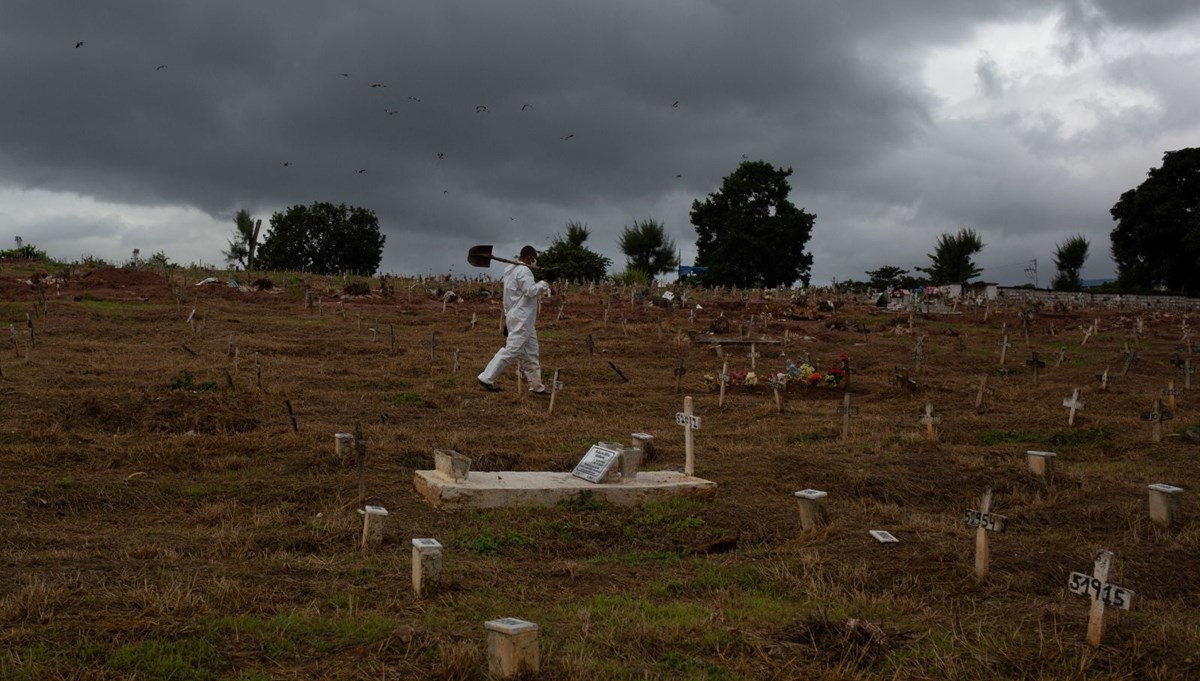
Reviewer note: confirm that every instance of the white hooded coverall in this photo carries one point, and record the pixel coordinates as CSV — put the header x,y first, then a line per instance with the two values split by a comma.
x,y
520,313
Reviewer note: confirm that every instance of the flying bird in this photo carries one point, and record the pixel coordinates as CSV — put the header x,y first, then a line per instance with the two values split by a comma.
x,y
378,85
391,112
675,105
160,67
567,137
525,106
678,176
441,155
79,44
287,163
344,75
415,99
360,172
481,109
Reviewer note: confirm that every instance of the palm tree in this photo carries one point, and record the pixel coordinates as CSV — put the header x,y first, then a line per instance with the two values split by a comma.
x,y
241,246
951,258
1069,257
647,248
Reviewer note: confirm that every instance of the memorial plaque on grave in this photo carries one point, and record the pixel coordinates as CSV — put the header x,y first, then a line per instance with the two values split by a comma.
x,y
596,463
1099,590
883,536
991,522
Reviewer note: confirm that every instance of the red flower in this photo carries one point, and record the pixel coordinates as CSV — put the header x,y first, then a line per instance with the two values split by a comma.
x,y
815,378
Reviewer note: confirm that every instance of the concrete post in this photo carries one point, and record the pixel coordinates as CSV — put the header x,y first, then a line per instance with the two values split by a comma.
x,y
512,647
1041,463
1164,503
373,519
426,565
810,512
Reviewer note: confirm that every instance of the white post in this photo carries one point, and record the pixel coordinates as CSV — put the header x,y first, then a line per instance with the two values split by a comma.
x,y
512,647
810,512
1164,503
644,442
373,519
343,444
1096,612
426,565
1041,463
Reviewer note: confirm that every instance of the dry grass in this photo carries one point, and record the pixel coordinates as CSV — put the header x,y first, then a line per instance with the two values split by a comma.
x,y
167,525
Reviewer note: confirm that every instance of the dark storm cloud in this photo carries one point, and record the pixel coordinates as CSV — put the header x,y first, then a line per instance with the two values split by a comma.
x,y
541,112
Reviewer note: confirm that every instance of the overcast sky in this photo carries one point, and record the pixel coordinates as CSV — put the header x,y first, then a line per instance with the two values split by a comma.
x,y
459,122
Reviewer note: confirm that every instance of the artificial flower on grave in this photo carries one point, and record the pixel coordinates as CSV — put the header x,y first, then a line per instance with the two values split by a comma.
x,y
778,380
750,379
814,378
711,382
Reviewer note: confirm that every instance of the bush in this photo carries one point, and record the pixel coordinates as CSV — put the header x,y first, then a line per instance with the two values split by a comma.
x,y
356,288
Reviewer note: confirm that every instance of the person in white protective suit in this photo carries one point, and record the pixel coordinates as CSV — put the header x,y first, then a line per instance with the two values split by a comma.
x,y
520,301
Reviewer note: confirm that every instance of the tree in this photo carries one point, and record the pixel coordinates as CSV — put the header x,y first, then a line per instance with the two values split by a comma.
x,y
244,241
323,239
1069,257
647,248
951,259
568,259
749,234
890,276
1156,243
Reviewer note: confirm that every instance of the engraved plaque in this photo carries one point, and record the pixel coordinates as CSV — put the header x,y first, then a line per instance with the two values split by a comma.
x,y
596,463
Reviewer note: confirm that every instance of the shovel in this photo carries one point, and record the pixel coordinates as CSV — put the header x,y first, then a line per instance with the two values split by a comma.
x,y
481,256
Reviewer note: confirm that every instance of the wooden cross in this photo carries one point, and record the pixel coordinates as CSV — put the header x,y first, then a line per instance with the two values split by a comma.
x,y
984,521
1059,357
391,339
846,411
1130,358
1073,404
777,386
474,320
680,370
433,347
1170,392
724,378
981,390
1090,331
454,370
1004,346
929,420
555,386
1188,370
690,422
1103,379
1037,366
753,356
1101,592
591,346
1156,416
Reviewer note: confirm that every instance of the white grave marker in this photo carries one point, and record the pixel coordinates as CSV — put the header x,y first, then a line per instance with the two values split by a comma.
x,y
690,422
596,463
1101,592
1073,404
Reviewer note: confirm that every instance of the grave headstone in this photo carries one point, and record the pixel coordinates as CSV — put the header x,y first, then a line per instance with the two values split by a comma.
x,y
512,649
810,512
1156,416
373,519
883,536
1164,503
426,566
597,463
1041,463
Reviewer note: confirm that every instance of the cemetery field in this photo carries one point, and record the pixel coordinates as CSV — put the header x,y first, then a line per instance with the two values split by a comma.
x,y
174,507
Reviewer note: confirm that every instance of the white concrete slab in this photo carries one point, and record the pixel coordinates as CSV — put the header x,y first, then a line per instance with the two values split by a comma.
x,y
537,488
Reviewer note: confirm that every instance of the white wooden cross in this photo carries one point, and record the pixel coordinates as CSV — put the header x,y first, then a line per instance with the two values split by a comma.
x,y
1073,404
1170,392
753,356
929,420
1130,358
690,422
1090,331
591,346
1101,592
555,386
846,411
454,371
724,379
1103,379
1059,357
1156,416
984,521
982,389
1004,346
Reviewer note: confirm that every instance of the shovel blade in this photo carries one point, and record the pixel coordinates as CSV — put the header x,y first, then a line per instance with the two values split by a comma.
x,y
480,256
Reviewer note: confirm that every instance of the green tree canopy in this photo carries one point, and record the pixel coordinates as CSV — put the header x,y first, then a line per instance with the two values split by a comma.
x,y
1156,242
323,239
1069,257
890,276
647,248
568,259
749,234
243,243
951,258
